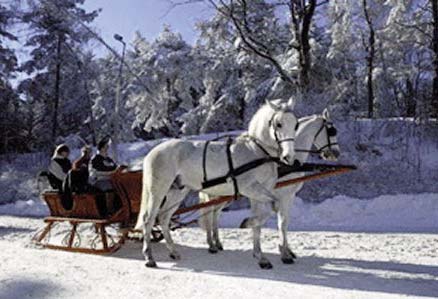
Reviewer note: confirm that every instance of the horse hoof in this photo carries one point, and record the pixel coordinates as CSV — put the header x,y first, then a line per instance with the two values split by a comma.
x,y
175,256
287,260
266,265
212,250
220,247
151,264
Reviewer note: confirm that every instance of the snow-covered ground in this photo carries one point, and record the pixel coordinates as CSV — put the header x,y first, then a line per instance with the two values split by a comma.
x,y
386,247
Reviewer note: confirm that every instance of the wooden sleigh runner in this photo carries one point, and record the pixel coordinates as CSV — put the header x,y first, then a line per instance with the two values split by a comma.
x,y
128,186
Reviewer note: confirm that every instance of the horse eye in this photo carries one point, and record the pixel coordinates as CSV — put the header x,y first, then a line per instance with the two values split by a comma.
x,y
332,131
297,126
279,125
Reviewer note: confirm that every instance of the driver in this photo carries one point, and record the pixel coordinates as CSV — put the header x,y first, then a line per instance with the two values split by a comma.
x,y
102,166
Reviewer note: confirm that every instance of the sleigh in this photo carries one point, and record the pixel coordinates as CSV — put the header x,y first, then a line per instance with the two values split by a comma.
x,y
85,211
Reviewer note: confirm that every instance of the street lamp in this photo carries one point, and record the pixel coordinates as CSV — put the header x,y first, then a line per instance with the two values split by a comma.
x,y
118,38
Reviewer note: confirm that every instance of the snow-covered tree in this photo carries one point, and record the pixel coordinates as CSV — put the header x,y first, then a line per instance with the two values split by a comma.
x,y
169,69
55,39
103,94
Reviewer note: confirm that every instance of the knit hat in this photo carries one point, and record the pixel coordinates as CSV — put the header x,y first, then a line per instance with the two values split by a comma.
x,y
61,149
103,142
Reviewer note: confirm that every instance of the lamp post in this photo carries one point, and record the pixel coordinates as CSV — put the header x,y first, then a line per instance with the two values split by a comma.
x,y
118,38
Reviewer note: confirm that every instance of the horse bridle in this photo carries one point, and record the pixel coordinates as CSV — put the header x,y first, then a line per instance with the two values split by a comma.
x,y
331,132
277,139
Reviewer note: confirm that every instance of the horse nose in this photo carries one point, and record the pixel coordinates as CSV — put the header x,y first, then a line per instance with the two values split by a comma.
x,y
297,163
287,158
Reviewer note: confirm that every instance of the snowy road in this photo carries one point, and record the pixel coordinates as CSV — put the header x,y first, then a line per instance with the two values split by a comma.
x,y
330,265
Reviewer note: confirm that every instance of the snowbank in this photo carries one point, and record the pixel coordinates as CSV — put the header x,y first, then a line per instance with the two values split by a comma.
x,y
388,213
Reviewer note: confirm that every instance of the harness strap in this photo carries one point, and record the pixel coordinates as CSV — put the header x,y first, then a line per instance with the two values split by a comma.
x,y
238,171
256,142
231,168
204,159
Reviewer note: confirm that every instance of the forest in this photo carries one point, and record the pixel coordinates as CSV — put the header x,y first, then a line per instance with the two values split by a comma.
x,y
371,59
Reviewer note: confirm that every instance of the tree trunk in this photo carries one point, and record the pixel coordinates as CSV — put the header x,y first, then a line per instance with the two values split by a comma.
x,y
305,45
301,16
435,58
56,95
90,113
411,105
370,48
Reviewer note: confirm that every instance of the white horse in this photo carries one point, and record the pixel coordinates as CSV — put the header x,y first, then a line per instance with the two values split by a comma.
x,y
317,131
180,163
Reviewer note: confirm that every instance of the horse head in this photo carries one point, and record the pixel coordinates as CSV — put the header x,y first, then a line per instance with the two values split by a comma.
x,y
326,139
275,125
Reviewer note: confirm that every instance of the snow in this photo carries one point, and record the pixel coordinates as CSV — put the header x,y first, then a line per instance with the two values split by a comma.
x,y
329,265
387,213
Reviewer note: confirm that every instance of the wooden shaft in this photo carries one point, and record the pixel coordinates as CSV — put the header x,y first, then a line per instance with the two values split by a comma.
x,y
212,202
312,177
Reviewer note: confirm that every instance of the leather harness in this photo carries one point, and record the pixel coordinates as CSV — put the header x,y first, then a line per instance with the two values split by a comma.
x,y
283,169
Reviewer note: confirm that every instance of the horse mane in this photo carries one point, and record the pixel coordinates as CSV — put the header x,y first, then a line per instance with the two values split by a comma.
x,y
259,125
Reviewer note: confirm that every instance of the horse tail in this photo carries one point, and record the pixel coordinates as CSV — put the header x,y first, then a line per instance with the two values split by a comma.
x,y
144,203
159,172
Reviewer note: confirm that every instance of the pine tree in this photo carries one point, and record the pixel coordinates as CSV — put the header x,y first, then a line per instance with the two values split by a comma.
x,y
9,101
57,37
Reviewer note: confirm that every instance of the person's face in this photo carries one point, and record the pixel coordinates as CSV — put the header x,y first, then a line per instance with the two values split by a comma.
x,y
87,154
104,149
65,154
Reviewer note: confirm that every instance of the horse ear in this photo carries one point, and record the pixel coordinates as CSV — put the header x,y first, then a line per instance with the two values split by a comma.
x,y
272,105
291,103
326,114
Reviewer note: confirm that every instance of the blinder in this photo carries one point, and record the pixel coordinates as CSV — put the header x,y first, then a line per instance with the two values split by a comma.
x,y
331,131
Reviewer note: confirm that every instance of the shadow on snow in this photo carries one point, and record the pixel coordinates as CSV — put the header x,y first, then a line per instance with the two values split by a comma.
x,y
350,274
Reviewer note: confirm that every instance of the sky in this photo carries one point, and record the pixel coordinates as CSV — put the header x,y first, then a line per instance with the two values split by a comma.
x,y
125,17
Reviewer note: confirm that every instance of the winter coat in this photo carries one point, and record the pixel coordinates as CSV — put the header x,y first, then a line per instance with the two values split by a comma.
x,y
58,169
77,179
101,168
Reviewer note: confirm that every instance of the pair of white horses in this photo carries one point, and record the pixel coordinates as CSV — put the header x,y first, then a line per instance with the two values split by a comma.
x,y
175,167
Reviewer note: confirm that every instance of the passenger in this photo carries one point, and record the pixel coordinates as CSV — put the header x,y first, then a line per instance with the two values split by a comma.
x,y
102,167
59,166
79,174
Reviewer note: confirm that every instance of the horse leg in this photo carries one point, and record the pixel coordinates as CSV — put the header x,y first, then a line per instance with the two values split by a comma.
x,y
212,248
259,195
206,221
216,215
174,199
148,222
287,256
263,261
